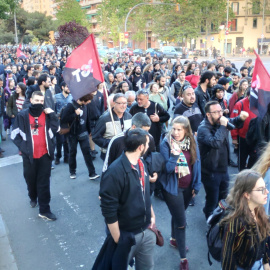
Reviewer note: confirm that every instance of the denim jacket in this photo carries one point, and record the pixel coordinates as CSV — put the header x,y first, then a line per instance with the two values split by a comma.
x,y
169,179
61,101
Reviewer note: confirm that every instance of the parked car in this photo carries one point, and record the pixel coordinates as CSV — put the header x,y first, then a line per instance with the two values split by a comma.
x,y
153,52
139,52
113,51
172,52
127,51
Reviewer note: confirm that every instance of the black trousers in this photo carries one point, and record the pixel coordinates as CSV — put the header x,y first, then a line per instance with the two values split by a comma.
x,y
61,140
37,176
85,147
245,151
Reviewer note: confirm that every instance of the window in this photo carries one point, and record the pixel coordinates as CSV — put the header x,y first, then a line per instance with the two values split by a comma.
x,y
234,25
255,23
235,8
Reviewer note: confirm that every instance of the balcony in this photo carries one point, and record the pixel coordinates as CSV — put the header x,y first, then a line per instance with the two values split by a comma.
x,y
237,30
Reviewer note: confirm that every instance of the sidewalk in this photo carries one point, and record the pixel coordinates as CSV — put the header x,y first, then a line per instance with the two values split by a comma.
x,y
7,261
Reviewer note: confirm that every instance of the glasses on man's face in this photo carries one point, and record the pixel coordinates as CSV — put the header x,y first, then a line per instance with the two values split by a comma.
x,y
217,112
262,190
121,103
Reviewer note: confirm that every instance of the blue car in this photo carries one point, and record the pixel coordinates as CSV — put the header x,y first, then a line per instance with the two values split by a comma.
x,y
153,52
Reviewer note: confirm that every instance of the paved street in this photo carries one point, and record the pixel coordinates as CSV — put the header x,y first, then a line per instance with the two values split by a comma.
x,y
74,240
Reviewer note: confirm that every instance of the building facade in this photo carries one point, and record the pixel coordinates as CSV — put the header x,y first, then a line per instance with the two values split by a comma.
x,y
42,6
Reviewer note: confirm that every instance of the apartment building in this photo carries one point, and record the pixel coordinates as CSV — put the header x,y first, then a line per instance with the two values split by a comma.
x,y
42,6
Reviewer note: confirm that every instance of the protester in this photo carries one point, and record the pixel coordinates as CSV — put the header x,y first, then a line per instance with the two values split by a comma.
x,y
156,97
194,78
135,214
182,179
33,132
246,228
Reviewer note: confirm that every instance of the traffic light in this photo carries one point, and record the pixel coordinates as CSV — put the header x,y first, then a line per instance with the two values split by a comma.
x,y
121,37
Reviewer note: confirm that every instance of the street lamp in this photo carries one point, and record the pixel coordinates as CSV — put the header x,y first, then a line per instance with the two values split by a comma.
x,y
226,29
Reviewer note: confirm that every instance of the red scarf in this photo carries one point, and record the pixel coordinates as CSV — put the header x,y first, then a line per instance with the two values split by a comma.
x,y
141,167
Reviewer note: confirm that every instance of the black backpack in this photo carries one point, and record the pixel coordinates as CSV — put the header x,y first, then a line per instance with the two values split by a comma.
x,y
214,235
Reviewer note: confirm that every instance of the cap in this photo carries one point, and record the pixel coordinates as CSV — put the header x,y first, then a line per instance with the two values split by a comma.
x,y
223,81
119,70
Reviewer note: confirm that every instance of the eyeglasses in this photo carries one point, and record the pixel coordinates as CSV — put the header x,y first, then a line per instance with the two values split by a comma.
x,y
186,87
121,103
263,190
217,112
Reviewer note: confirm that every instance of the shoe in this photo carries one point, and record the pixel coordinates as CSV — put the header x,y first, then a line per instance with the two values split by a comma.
x,y
52,167
192,202
173,243
93,155
233,164
93,176
3,139
184,265
8,131
1,155
48,216
33,203
66,160
73,176
57,161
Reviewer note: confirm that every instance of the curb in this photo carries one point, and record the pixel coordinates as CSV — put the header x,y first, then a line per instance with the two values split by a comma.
x,y
7,260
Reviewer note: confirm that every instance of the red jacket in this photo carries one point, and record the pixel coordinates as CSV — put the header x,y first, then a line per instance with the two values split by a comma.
x,y
236,111
193,80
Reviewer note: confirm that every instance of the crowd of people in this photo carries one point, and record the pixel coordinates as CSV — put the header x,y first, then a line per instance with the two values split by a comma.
x,y
165,129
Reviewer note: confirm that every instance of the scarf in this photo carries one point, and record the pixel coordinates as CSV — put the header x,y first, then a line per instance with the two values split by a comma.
x,y
36,109
181,167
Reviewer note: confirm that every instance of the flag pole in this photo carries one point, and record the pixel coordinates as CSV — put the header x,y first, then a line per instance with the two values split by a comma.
x,y
109,108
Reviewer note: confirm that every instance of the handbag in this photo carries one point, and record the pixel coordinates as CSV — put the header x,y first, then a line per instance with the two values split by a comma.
x,y
159,237
66,130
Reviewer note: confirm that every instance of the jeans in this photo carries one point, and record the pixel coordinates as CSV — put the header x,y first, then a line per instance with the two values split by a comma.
x,y
258,265
61,140
85,147
177,206
143,250
37,176
216,187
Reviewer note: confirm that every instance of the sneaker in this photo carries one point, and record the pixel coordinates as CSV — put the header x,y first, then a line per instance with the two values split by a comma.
x,y
93,176
73,176
52,167
184,265
48,216
33,203
66,160
93,155
173,243
57,161
192,202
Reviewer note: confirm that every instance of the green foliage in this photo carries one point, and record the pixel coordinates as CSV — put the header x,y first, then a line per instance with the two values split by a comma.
x,y
36,22
7,6
70,10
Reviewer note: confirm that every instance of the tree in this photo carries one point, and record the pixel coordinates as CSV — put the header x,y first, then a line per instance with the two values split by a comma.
x,y
7,6
37,22
70,10
71,34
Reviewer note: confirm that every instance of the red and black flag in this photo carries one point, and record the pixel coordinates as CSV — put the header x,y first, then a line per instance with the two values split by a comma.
x,y
260,89
82,72
20,54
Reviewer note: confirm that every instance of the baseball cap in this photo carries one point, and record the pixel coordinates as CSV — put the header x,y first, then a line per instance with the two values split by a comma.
x,y
119,70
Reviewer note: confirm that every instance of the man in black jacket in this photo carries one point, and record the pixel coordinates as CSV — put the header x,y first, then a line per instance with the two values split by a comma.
x,y
155,112
207,81
33,132
76,116
214,149
125,200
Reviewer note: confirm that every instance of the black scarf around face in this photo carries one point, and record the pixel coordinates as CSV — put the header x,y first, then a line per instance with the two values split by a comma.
x,y
36,109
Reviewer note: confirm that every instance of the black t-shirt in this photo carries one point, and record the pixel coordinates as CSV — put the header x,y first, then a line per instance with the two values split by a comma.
x,y
137,82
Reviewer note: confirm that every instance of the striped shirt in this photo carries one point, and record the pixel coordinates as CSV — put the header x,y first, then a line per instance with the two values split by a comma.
x,y
19,103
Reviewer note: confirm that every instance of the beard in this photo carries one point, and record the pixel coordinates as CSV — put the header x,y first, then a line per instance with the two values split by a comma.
x,y
67,92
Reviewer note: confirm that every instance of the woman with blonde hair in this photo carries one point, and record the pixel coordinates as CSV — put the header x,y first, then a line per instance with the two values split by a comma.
x,y
246,228
181,180
262,166
146,71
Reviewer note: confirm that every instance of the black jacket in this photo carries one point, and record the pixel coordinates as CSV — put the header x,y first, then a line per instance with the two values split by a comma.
x,y
79,124
214,145
122,197
48,98
201,99
115,256
21,133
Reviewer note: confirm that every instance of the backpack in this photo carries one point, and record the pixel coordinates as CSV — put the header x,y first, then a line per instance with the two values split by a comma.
x,y
214,235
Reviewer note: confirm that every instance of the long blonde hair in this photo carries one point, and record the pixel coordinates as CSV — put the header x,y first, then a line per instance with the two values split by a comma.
x,y
262,165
